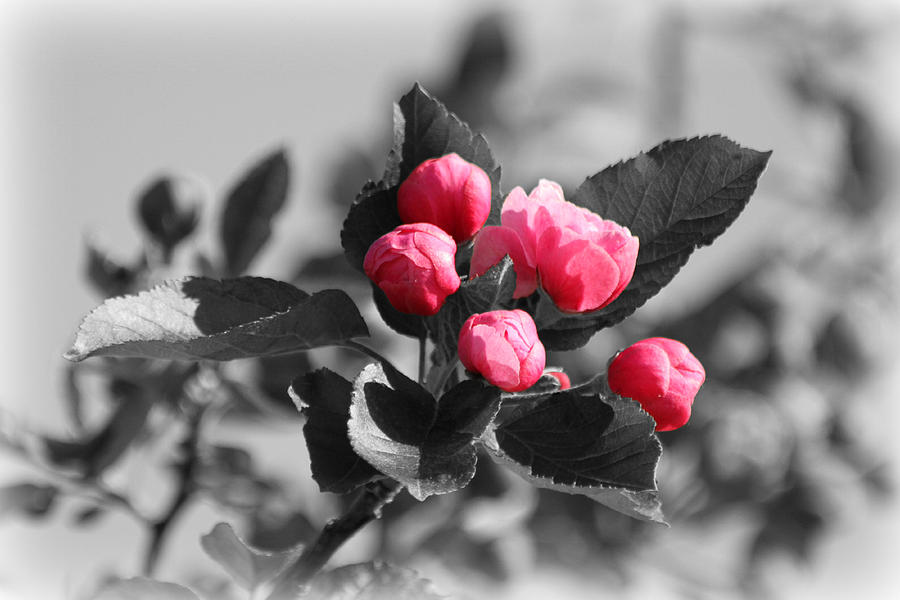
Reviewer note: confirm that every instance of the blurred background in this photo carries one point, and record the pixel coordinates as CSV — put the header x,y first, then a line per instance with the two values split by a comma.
x,y
784,483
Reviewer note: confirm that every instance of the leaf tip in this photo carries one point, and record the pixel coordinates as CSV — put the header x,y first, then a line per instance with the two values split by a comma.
x,y
75,355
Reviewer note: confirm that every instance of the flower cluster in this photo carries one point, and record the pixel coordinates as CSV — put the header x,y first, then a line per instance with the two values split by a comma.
x,y
581,261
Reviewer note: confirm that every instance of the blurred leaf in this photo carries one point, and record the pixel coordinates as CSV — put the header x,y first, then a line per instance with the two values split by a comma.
x,y
276,533
490,291
109,277
92,454
140,588
370,581
169,209
248,566
29,499
324,398
598,445
198,318
249,209
275,374
88,515
424,443
677,197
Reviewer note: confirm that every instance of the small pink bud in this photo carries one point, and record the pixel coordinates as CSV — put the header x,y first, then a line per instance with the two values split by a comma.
x,y
662,375
415,266
583,262
503,346
564,381
448,192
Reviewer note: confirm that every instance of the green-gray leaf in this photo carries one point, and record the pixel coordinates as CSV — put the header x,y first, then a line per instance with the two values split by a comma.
x,y
197,318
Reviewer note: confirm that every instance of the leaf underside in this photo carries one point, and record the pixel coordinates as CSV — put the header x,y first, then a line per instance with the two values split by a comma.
x,y
197,318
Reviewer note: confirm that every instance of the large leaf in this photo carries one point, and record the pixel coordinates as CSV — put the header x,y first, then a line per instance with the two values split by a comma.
x,y
491,291
324,398
249,208
198,318
370,581
582,442
675,198
423,129
247,566
424,443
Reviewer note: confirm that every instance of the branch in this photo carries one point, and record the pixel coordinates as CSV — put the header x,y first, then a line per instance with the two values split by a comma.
x,y
367,507
186,468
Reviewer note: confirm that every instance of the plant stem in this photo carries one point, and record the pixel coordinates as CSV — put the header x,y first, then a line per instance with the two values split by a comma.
x,y
422,360
186,468
367,507
368,352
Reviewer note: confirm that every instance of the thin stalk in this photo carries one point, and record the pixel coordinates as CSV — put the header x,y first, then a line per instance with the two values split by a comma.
x,y
422,341
367,507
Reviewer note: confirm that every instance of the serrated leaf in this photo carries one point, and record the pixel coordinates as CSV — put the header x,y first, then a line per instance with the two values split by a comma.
x,y
197,318
249,208
405,433
141,588
580,442
429,130
324,398
423,129
247,566
490,291
370,581
675,198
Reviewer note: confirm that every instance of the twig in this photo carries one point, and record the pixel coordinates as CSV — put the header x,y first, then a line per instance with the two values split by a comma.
x,y
422,360
186,468
367,507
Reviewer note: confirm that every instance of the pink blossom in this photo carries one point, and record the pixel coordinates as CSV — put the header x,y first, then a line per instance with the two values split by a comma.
x,y
503,346
415,266
448,192
582,261
564,381
662,375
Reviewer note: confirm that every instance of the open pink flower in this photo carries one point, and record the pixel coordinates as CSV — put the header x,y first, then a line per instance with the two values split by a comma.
x,y
662,375
415,266
503,346
449,192
582,261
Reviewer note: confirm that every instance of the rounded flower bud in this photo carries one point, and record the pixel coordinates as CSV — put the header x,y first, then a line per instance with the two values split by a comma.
x,y
662,375
503,346
415,266
564,381
449,192
582,261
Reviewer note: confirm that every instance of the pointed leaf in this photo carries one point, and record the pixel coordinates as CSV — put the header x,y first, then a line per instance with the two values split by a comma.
x,y
249,208
247,566
404,432
675,198
490,291
324,398
198,318
371,581
580,442
423,129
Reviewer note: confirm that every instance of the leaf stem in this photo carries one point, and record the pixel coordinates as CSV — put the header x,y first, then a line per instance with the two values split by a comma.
x,y
366,508
422,341
359,347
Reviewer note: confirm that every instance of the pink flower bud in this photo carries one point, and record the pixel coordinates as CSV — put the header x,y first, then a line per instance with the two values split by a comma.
x,y
449,192
503,346
662,375
415,266
564,381
583,262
